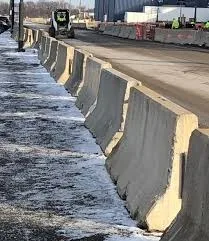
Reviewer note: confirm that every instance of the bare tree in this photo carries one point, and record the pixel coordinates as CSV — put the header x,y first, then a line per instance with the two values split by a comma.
x,y
44,8
41,8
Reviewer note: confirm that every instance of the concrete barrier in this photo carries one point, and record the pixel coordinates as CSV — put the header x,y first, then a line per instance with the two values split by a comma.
x,y
25,37
41,33
49,64
79,25
132,34
92,25
88,94
181,36
39,20
191,37
146,163
121,31
37,42
35,34
107,120
102,27
192,222
30,39
47,50
160,35
109,29
206,39
35,38
116,31
45,53
63,67
125,31
75,82
42,47
198,38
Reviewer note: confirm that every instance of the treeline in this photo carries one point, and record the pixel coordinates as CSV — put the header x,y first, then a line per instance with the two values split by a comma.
x,y
4,8
40,8
43,8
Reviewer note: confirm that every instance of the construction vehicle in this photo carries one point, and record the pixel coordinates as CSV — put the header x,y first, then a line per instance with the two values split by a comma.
x,y
61,24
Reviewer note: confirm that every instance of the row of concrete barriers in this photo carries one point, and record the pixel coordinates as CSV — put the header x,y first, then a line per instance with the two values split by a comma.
x,y
80,25
155,154
85,25
150,32
128,32
134,31
182,36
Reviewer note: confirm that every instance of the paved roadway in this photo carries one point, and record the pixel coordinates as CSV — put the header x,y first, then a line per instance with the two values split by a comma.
x,y
177,72
54,185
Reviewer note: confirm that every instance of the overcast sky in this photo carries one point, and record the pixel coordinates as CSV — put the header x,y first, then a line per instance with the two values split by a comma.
x,y
89,3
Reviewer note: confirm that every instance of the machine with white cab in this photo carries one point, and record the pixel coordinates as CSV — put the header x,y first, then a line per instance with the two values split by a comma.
x,y
61,24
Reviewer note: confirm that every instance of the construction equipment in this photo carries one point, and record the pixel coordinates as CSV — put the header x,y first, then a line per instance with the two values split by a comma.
x,y
61,24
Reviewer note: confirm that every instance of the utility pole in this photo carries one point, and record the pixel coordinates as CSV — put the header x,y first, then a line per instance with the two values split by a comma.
x,y
12,14
181,3
70,7
80,5
158,9
195,12
21,28
79,11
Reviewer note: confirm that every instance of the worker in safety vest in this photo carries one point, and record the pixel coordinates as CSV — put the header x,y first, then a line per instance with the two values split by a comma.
x,y
206,26
175,24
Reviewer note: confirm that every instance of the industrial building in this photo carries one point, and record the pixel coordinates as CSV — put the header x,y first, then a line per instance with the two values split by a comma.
x,y
115,9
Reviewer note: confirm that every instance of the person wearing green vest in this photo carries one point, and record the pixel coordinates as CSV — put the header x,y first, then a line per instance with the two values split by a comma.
x,y
175,24
206,26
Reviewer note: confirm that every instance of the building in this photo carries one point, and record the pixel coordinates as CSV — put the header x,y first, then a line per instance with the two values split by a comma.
x,y
115,9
